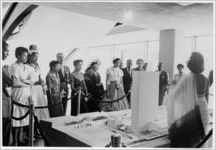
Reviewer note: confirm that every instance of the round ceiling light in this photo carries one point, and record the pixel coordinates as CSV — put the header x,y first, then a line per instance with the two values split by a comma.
x,y
128,15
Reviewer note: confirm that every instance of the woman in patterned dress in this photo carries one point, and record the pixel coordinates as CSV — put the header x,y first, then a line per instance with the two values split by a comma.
x,y
78,83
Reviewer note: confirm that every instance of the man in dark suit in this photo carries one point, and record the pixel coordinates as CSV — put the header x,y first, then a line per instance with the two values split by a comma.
x,y
127,78
64,75
163,82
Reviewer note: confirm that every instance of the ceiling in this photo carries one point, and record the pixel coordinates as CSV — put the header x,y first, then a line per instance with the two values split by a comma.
x,y
191,18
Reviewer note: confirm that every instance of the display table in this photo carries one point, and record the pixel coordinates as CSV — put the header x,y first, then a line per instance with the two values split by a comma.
x,y
95,130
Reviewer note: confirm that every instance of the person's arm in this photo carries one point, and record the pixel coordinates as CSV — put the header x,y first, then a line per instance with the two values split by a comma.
x,y
68,75
167,82
49,84
107,78
167,79
121,79
72,80
85,87
121,82
107,81
7,81
17,80
207,90
174,81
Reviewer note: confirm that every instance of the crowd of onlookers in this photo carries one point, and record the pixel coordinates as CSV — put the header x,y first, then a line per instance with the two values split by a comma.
x,y
61,85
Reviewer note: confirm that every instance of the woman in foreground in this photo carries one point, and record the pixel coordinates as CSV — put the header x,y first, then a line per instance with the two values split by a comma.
x,y
187,106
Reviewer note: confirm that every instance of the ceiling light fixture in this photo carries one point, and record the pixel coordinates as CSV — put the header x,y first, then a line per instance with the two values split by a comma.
x,y
185,3
128,15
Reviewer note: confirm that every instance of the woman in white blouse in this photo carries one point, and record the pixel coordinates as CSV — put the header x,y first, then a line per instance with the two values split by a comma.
x,y
114,86
20,93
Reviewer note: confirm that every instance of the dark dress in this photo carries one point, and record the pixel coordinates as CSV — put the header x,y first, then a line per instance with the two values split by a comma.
x,y
95,89
78,82
202,83
53,95
127,81
163,83
6,107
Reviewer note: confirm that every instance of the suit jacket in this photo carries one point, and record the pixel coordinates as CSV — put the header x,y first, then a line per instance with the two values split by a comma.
x,y
64,75
163,81
127,79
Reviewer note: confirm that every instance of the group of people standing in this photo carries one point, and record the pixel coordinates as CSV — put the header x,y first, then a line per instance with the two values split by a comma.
x,y
61,85
24,79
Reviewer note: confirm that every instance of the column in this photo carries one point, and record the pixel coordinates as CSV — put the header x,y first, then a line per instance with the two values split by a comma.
x,y
172,49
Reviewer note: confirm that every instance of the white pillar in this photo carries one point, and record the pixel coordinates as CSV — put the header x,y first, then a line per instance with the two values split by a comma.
x,y
172,49
144,99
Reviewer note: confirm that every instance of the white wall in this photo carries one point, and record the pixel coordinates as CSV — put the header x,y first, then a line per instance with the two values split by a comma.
x,y
60,31
57,31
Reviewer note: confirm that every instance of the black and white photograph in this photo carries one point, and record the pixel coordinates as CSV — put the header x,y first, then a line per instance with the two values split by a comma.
x,y
107,74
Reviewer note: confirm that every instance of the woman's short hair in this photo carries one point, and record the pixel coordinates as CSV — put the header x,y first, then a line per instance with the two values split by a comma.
x,y
30,55
139,60
75,62
196,63
116,59
93,63
180,66
53,64
20,50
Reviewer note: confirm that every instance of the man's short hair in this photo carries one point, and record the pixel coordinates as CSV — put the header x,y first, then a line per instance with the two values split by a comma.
x,y
180,66
53,63
140,59
59,54
75,62
33,47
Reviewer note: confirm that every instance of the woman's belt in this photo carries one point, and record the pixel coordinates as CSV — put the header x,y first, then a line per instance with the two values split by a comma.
x,y
115,82
19,86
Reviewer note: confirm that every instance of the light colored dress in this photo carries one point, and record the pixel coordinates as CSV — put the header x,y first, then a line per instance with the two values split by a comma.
x,y
20,93
187,113
115,90
178,77
38,95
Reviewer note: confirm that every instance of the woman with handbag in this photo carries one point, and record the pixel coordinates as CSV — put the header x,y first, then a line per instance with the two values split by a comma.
x,y
187,109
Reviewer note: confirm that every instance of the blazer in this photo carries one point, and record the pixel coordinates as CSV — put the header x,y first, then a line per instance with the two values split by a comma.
x,y
64,75
127,79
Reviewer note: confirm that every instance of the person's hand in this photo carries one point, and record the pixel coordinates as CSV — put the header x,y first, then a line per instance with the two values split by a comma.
x,y
44,89
86,99
118,85
99,84
62,93
27,82
173,82
107,94
63,85
42,82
